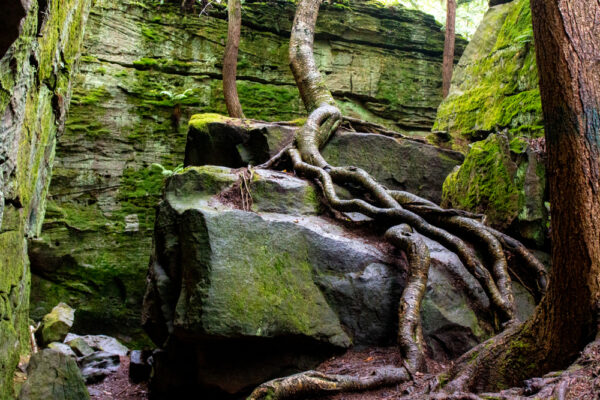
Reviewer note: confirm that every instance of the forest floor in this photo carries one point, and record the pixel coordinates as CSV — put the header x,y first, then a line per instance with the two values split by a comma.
x,y
117,386
581,381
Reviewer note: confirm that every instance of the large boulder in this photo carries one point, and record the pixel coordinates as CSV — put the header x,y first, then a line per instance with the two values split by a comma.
x,y
236,296
53,375
397,163
56,324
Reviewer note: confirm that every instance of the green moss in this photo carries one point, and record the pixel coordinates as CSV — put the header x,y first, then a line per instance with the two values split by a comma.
x,y
91,97
145,62
265,102
496,90
199,121
139,193
485,182
151,34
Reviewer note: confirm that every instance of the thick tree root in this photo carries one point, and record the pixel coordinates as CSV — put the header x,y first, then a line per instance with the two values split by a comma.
x,y
410,331
313,383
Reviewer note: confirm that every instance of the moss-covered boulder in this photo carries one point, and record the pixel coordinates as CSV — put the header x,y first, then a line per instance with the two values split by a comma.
x,y
238,296
53,375
495,84
397,163
505,180
56,324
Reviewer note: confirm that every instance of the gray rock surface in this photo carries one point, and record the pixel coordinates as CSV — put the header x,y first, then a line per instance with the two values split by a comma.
x,y
62,348
100,343
97,366
53,375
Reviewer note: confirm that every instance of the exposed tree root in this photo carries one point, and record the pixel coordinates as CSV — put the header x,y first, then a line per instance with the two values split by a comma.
x,y
313,383
410,331
406,215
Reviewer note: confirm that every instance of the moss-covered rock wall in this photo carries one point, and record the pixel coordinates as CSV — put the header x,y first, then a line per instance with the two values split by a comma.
x,y
495,84
146,68
494,112
35,73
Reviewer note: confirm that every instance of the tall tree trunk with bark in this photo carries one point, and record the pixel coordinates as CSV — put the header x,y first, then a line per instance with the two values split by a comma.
x,y
448,59
232,100
567,40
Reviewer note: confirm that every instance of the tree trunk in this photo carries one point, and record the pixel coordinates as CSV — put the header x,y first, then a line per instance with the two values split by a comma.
x,y
448,63
232,101
567,38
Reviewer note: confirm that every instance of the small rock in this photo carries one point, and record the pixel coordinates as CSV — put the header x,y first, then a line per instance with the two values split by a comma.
x,y
53,375
80,347
98,366
62,348
139,368
56,324
101,342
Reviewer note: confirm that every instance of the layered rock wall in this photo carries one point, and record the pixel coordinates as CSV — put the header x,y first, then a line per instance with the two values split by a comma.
x,y
145,70
35,71
495,84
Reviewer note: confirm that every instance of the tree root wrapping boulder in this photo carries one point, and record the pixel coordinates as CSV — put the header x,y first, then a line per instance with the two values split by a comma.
x,y
249,280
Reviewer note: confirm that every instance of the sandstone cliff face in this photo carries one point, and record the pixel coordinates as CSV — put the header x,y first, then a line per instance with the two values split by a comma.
x,y
35,72
495,90
495,84
146,68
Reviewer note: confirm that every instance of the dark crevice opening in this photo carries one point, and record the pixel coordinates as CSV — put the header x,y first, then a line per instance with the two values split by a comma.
x,y
42,12
10,19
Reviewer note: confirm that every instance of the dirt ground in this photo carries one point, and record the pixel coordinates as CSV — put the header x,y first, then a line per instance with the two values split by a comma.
x,y
117,386
579,382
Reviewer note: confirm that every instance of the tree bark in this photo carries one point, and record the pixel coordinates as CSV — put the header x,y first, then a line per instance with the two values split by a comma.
x,y
448,59
232,100
567,39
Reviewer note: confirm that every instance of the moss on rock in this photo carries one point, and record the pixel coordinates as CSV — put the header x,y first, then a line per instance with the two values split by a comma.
x,y
495,84
504,180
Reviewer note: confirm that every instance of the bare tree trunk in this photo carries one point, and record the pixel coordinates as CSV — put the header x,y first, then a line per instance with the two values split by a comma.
x,y
448,58
567,36
232,100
